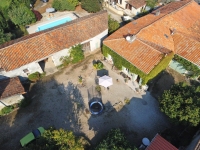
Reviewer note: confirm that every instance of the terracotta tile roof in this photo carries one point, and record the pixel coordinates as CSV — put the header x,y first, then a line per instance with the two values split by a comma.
x,y
10,87
189,49
137,53
34,47
156,32
159,143
136,3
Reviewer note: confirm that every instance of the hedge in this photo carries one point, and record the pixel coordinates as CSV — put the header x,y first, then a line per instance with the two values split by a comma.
x,y
120,61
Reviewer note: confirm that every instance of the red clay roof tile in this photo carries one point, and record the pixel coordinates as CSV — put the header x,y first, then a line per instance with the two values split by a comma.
x,y
10,87
34,47
159,143
156,31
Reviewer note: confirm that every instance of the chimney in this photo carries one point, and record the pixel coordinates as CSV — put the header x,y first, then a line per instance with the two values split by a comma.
x,y
157,13
130,38
173,31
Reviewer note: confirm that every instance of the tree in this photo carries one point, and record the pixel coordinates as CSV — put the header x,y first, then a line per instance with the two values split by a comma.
x,y
3,22
151,3
91,5
21,15
65,4
4,37
113,25
76,54
182,103
114,140
26,2
57,139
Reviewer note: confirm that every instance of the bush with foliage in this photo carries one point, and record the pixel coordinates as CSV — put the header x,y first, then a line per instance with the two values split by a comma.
x,y
37,14
91,6
98,88
4,37
114,140
120,61
57,139
34,76
127,100
188,66
76,54
182,103
151,3
65,60
65,4
98,65
6,110
113,25
4,7
3,22
21,15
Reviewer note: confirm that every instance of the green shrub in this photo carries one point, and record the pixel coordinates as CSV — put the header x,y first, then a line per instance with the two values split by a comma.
x,y
80,79
34,76
65,60
65,4
91,6
98,65
24,103
113,25
21,15
6,110
98,88
127,100
114,140
119,61
4,37
76,54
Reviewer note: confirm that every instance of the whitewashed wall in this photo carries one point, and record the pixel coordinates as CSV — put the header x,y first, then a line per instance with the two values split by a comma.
x,y
10,101
56,57
32,67
95,43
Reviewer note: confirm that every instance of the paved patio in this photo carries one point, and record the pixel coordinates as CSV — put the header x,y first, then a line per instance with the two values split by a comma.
x,y
61,101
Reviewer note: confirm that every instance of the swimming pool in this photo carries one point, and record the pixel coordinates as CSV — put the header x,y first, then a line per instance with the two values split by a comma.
x,y
53,24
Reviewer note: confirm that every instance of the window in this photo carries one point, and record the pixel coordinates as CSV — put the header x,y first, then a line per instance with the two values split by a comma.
x,y
26,70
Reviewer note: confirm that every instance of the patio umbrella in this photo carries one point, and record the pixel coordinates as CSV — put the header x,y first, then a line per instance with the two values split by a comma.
x,y
105,81
102,72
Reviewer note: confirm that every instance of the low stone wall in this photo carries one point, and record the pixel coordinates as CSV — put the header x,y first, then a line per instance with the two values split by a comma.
x,y
10,101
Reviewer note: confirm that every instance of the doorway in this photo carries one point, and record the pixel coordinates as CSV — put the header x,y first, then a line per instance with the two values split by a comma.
x,y
42,64
138,79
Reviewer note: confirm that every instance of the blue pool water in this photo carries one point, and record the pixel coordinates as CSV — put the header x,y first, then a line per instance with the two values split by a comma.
x,y
53,24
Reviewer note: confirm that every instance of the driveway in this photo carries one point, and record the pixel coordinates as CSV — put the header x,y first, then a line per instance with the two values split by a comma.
x,y
60,101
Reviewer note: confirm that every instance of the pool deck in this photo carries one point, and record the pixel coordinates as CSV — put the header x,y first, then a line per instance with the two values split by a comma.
x,y
50,17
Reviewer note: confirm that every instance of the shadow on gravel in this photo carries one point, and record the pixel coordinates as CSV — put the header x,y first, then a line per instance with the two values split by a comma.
x,y
138,119
52,104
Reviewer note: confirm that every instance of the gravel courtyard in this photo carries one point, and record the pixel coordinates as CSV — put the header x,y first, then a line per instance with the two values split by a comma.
x,y
60,101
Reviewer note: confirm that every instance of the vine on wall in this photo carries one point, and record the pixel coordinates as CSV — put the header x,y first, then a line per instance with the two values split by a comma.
x,y
120,61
